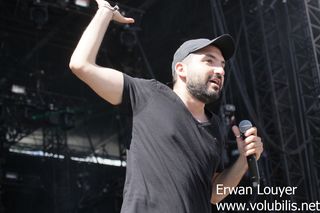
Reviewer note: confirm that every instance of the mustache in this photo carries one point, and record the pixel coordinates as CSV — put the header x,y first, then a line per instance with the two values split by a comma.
x,y
216,75
216,78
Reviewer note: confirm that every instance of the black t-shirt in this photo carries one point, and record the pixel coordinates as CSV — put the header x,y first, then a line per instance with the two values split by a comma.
x,y
171,157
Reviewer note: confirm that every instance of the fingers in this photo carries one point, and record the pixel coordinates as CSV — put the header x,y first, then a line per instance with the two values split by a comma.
x,y
251,131
118,17
251,144
236,131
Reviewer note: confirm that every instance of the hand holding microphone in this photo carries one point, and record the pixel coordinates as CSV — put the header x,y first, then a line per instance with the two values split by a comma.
x,y
250,146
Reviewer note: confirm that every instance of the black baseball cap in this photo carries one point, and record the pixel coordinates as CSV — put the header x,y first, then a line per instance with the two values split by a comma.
x,y
224,42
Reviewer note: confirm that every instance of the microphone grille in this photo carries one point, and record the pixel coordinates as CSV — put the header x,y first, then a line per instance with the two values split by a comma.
x,y
244,126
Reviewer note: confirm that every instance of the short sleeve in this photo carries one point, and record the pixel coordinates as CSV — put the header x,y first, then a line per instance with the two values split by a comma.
x,y
136,93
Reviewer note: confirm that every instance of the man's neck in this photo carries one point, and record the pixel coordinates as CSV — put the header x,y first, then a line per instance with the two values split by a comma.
x,y
195,106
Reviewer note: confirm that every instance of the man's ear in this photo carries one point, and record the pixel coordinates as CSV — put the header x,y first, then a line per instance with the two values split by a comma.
x,y
181,69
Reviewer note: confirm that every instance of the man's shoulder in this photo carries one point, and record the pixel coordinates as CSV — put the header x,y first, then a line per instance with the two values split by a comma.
x,y
151,83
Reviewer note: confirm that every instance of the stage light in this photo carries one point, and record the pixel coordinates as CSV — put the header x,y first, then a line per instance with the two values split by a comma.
x,y
88,159
82,3
229,108
18,89
11,176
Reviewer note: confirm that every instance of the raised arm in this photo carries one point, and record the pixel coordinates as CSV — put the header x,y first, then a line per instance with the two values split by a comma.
x,y
106,82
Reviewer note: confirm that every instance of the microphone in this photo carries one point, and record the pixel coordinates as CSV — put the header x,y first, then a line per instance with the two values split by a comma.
x,y
251,159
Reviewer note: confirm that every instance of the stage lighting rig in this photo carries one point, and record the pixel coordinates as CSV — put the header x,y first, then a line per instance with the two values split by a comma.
x,y
228,111
24,111
39,13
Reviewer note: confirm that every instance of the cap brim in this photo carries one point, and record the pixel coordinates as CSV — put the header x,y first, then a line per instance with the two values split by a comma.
x,y
225,43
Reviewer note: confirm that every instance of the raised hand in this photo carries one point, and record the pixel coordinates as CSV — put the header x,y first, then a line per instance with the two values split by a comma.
x,y
117,16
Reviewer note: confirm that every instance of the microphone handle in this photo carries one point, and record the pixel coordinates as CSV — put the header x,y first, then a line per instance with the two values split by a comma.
x,y
251,159
253,169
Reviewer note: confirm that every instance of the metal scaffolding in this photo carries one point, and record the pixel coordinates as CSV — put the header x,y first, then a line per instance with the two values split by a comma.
x,y
304,42
278,55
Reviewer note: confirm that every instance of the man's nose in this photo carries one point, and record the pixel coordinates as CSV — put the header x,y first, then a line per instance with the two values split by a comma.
x,y
218,70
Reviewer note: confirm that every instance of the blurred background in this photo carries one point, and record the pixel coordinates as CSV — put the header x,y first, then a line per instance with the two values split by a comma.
x,y
63,148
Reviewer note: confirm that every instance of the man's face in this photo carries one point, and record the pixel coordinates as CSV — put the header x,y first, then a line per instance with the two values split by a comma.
x,y
205,74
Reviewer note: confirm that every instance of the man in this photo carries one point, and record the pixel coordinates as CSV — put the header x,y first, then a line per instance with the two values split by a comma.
x,y
174,158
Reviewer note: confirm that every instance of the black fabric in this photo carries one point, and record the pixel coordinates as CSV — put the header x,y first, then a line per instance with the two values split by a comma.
x,y
171,157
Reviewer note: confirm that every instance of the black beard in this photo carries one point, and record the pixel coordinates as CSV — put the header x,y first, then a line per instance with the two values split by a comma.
x,y
200,92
